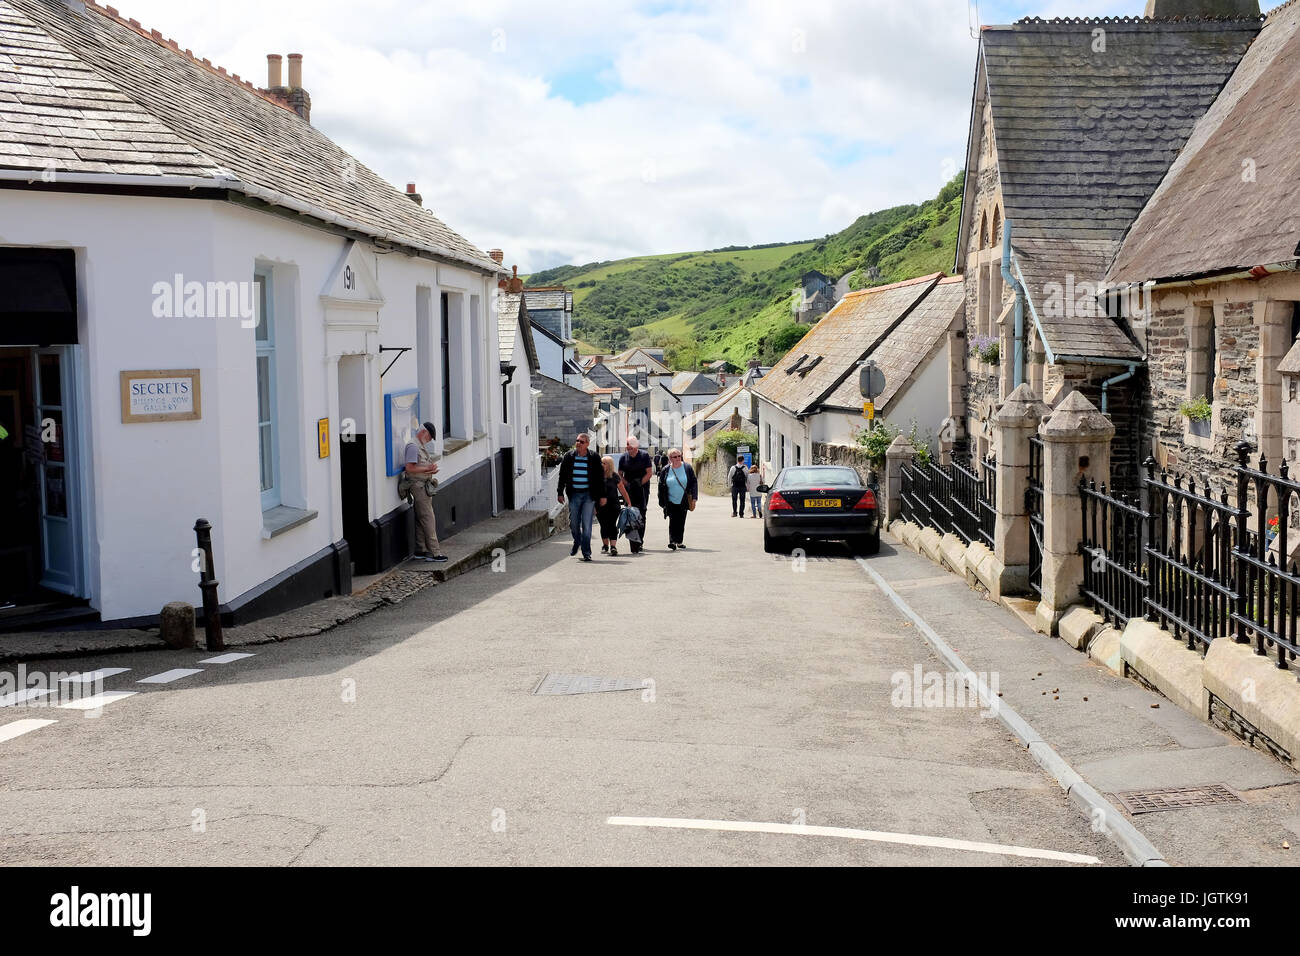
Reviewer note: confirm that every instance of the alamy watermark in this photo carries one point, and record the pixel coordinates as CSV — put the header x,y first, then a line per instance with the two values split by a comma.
x,y
177,298
932,689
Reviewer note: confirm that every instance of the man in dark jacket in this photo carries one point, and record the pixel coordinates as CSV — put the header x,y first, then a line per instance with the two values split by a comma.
x,y
582,478
638,471
739,478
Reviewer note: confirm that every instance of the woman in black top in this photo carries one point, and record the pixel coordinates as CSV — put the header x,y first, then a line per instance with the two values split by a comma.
x,y
615,494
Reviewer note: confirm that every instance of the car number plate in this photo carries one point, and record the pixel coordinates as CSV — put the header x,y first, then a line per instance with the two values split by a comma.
x,y
823,502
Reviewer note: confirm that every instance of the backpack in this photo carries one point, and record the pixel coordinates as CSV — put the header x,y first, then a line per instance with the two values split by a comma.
x,y
739,476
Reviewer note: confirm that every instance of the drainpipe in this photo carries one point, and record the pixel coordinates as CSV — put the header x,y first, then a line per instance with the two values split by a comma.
x,y
1105,387
1011,280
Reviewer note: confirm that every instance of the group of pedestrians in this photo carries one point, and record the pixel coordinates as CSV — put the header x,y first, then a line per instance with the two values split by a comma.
x,y
745,480
600,488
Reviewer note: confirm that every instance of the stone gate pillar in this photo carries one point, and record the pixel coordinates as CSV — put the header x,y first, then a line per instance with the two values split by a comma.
x,y
1076,445
900,453
1013,425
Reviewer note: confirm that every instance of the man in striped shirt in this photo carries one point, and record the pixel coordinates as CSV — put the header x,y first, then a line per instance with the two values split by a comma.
x,y
582,479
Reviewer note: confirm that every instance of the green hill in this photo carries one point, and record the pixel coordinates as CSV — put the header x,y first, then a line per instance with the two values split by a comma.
x,y
736,303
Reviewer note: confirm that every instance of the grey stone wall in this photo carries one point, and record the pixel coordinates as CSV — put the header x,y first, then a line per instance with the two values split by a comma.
x,y
850,455
562,410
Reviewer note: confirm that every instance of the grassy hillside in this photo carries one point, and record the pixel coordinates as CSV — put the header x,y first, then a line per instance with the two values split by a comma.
x,y
736,303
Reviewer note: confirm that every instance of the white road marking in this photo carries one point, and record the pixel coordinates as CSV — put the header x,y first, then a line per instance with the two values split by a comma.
x,y
20,727
99,700
94,677
21,696
226,658
166,677
908,839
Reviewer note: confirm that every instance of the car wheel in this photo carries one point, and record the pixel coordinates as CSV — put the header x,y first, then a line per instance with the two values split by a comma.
x,y
772,546
867,544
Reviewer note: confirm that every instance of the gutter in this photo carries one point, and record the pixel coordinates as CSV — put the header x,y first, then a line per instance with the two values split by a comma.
x,y
232,184
1105,387
1257,272
1020,304
1033,311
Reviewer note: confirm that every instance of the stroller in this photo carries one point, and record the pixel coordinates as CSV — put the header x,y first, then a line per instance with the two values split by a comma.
x,y
630,526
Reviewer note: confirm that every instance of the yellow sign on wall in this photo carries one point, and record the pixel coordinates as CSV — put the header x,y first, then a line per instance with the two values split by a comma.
x,y
323,437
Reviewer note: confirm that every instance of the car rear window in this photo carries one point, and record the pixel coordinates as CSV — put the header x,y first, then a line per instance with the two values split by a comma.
x,y
820,478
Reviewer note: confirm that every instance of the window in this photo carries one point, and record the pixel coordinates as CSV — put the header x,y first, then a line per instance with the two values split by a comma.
x,y
769,443
1202,361
446,367
268,442
477,364
798,454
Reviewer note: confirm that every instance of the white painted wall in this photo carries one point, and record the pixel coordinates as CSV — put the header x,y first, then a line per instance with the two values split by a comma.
x,y
787,432
149,482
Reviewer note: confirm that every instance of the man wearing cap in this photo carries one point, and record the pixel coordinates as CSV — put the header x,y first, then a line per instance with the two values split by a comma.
x,y
421,466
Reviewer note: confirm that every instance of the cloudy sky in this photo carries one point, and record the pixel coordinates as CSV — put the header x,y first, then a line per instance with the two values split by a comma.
x,y
579,130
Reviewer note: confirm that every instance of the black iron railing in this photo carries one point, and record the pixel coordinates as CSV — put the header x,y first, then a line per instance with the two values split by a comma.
x,y
952,499
974,506
1113,549
1034,499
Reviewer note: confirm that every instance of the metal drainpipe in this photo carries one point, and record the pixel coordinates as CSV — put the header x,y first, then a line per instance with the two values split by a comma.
x,y
1008,278
1105,387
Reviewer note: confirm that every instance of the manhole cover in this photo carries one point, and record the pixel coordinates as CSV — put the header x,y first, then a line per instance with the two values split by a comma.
x,y
559,684
1175,798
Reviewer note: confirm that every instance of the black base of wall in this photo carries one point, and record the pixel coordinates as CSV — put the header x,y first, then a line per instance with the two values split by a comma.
x,y
326,573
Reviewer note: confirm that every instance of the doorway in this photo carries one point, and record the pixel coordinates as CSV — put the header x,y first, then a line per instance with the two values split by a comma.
x,y
354,467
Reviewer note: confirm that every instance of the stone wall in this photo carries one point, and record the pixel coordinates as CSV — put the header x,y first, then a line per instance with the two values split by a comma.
x,y
853,456
562,411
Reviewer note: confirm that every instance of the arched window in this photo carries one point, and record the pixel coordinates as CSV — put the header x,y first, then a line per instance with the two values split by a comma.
x,y
984,230
996,237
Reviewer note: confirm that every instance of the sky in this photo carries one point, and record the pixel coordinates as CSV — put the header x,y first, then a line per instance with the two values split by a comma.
x,y
583,130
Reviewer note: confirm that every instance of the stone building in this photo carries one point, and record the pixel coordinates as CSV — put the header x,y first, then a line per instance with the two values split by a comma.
x,y
1074,124
1216,249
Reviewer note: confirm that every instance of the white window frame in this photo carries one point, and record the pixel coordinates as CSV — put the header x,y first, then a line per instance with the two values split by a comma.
x,y
271,497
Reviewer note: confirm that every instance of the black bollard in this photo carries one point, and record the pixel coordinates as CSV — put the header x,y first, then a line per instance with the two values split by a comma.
x,y
208,585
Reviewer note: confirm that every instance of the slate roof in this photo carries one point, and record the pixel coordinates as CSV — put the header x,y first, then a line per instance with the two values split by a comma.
x,y
95,95
916,339
512,317
723,404
834,347
1083,137
693,383
1205,217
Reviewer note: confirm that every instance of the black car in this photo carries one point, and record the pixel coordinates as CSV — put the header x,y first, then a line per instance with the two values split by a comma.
x,y
820,503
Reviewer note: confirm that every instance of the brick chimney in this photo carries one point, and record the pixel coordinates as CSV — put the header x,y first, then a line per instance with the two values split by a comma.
x,y
497,255
294,96
1197,9
412,195
516,283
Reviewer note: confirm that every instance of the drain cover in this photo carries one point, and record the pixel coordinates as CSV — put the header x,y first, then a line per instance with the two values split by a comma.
x,y
560,684
1175,798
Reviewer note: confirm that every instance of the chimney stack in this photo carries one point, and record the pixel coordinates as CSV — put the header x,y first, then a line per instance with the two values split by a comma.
x,y
516,283
273,62
497,255
293,95
412,195
295,71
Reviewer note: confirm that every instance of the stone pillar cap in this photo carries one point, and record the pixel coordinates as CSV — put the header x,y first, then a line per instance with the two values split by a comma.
x,y
1077,419
899,447
1023,408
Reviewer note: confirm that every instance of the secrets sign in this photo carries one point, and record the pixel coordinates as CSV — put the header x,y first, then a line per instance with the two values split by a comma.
x,y
168,395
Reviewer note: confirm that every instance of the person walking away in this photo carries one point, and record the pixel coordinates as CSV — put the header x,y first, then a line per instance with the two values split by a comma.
x,y
580,479
421,466
678,491
615,492
636,470
752,481
739,477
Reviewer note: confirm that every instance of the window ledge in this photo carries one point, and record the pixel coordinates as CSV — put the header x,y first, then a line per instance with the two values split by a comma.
x,y
283,518
454,444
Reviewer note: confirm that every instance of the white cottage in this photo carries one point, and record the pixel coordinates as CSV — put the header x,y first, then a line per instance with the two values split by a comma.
x,y
209,310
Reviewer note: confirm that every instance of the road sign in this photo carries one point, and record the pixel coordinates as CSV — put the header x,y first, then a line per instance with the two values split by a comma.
x,y
869,411
871,380
743,449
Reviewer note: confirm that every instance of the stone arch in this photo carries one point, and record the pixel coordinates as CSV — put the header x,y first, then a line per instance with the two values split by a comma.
x,y
984,229
996,236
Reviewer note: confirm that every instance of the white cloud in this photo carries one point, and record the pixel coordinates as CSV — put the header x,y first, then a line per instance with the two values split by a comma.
x,y
736,122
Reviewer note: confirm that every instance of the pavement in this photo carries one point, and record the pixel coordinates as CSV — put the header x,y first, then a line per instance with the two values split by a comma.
x,y
758,729
471,548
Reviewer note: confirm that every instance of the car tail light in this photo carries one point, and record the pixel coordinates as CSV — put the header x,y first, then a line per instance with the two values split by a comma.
x,y
776,502
867,502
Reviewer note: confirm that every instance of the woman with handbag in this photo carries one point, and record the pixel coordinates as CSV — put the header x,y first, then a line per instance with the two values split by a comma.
x,y
615,495
678,491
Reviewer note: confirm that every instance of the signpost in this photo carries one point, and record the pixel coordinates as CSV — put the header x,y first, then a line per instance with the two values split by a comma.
x,y
871,382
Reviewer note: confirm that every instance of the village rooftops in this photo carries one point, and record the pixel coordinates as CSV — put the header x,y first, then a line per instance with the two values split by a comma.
x,y
828,356
512,318
1229,201
692,383
545,299
87,97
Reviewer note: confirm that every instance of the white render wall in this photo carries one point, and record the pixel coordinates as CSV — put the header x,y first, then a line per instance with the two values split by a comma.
x,y
145,484
785,427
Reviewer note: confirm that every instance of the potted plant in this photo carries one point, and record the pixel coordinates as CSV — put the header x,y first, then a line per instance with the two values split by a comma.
x,y
985,348
1198,412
